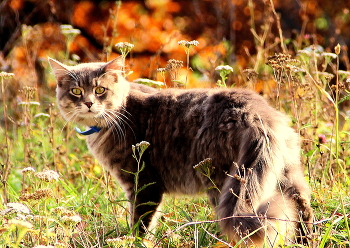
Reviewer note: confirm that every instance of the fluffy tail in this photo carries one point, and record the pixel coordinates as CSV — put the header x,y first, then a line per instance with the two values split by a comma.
x,y
255,204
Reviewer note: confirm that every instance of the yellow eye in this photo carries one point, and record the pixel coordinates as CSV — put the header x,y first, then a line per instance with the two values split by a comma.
x,y
99,90
76,91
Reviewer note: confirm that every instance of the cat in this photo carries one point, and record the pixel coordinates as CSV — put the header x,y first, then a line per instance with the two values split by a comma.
x,y
256,182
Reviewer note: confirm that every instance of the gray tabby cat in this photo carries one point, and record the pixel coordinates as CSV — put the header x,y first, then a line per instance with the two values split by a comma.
x,y
259,184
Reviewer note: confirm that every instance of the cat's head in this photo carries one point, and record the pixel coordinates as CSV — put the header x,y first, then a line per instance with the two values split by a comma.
x,y
90,93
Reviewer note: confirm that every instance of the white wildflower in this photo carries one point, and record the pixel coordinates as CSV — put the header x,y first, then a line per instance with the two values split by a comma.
x,y
124,45
28,170
188,44
42,115
18,207
20,223
29,103
75,218
226,68
331,55
6,75
47,175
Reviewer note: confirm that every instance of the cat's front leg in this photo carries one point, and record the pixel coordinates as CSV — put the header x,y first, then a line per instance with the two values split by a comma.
x,y
144,202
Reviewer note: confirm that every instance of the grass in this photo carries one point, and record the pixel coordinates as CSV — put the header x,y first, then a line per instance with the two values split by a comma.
x,y
65,199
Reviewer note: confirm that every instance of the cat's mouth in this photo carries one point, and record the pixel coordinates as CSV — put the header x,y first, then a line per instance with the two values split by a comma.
x,y
89,114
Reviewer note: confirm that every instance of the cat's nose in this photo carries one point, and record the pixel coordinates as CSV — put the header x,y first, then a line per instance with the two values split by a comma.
x,y
88,104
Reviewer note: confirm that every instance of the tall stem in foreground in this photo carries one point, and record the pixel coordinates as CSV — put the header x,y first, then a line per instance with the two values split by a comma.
x,y
7,164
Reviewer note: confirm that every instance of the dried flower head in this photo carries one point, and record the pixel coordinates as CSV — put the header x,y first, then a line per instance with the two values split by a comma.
x,y
337,49
47,175
281,59
28,94
204,163
37,195
173,67
205,166
174,64
251,74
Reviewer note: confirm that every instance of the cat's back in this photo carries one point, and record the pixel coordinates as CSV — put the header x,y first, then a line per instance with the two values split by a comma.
x,y
217,105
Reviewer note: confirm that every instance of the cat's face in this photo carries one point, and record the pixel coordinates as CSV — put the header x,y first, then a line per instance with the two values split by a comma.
x,y
91,93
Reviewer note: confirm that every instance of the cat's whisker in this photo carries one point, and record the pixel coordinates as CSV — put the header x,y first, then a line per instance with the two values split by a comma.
x,y
126,111
70,118
127,120
120,129
117,130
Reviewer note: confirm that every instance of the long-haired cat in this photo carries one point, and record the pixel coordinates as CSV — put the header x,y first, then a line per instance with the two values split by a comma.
x,y
255,182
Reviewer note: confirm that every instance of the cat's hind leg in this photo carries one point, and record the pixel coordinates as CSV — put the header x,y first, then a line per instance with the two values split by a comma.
x,y
253,206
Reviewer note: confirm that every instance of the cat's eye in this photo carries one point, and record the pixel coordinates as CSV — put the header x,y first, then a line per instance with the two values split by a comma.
x,y
76,91
99,90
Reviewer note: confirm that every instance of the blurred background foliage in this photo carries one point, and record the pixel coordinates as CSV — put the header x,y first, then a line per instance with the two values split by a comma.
x,y
228,31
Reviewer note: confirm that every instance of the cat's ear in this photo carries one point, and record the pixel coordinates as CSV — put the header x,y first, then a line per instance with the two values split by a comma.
x,y
58,68
116,64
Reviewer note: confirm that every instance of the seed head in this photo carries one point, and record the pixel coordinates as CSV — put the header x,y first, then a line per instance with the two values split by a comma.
x,y
337,49
251,74
47,175
174,64
37,195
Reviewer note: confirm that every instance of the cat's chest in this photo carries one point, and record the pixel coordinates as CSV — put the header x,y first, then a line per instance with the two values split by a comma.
x,y
109,150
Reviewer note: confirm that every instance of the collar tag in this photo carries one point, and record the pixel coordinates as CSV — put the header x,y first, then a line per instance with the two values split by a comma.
x,y
92,130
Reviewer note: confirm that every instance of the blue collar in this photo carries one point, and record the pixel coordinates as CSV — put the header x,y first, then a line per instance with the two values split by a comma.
x,y
92,130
